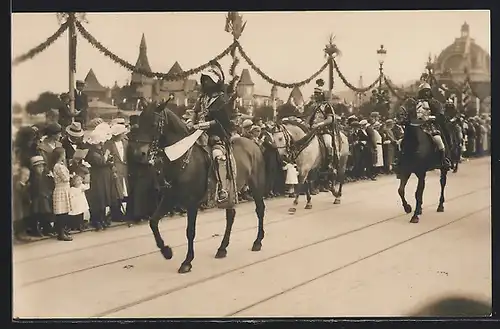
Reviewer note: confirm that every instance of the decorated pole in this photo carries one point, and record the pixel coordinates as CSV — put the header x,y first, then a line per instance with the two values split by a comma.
x,y
330,51
71,60
235,26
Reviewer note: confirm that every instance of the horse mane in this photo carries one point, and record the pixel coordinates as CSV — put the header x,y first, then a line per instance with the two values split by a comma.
x,y
177,124
296,123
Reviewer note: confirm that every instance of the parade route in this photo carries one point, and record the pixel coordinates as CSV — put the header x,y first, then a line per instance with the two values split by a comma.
x,y
359,258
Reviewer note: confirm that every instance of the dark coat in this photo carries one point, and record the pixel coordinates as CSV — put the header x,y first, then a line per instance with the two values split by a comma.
x,y
81,104
70,151
41,189
46,152
21,200
120,168
65,116
101,180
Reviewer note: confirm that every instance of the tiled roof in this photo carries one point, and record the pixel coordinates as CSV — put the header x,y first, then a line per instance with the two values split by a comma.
x,y
91,82
246,79
175,69
142,60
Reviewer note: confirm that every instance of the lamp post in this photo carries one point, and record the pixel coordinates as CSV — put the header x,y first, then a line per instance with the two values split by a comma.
x,y
381,96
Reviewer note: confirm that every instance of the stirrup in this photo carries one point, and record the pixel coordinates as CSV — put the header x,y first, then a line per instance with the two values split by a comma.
x,y
222,196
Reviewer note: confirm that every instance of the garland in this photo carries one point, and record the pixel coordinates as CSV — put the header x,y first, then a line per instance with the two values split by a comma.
x,y
168,77
349,85
393,89
73,44
271,80
41,47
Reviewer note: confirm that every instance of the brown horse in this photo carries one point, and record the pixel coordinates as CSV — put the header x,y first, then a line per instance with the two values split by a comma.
x,y
188,176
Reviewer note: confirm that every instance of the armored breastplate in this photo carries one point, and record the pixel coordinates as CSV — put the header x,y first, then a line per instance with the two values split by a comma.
x,y
423,111
319,114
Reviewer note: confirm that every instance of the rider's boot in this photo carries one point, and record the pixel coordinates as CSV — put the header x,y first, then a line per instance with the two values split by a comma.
x,y
222,194
445,161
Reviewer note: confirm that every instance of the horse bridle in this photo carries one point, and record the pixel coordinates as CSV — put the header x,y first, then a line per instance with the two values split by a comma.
x,y
289,149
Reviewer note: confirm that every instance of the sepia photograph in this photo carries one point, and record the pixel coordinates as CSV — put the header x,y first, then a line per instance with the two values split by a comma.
x,y
251,164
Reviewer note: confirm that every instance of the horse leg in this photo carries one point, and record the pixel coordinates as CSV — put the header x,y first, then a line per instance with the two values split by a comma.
x,y
403,180
340,179
222,251
192,213
307,186
419,197
297,189
260,209
166,251
442,181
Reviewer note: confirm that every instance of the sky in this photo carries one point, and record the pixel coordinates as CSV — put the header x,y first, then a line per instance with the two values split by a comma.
x,y
287,46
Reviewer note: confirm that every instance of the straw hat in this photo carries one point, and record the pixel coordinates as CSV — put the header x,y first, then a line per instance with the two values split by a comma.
x,y
247,123
75,130
363,122
118,129
37,160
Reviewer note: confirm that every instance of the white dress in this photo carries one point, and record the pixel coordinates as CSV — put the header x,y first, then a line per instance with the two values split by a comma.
x,y
379,149
78,201
292,175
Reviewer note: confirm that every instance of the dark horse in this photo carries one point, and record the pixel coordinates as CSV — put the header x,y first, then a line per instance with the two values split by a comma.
x,y
188,176
419,155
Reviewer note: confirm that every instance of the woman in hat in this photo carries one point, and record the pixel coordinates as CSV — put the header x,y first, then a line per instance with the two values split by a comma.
x,y
51,141
118,149
101,175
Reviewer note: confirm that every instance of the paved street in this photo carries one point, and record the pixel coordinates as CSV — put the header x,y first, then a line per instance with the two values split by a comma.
x,y
360,258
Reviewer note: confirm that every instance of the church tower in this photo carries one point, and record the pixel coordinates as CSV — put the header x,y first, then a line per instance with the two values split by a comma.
x,y
142,84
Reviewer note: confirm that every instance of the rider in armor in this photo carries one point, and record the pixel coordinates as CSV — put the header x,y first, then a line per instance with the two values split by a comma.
x,y
322,119
212,113
430,116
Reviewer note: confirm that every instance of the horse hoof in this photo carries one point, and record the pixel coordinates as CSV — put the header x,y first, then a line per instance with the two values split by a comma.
x,y
407,208
337,201
440,208
414,219
221,253
185,268
308,206
166,251
295,202
292,211
256,247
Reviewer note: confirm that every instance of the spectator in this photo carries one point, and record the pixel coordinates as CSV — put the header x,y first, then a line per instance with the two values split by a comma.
x,y
118,150
78,200
22,201
61,195
51,141
41,197
101,176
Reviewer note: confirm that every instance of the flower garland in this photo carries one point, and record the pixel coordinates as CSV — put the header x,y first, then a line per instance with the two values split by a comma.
x,y
349,85
271,80
72,30
130,67
41,47
392,89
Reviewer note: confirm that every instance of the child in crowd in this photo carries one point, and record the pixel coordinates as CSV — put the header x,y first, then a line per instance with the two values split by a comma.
x,y
79,204
41,197
61,195
292,177
22,201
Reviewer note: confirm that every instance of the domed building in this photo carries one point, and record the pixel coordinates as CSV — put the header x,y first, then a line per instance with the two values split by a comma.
x,y
464,57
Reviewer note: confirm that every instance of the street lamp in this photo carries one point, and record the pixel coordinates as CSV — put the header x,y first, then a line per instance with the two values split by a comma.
x,y
382,52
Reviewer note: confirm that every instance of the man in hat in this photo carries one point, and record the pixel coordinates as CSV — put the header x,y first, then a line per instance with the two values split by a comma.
x,y
246,125
73,139
213,113
431,115
118,149
65,114
322,120
81,103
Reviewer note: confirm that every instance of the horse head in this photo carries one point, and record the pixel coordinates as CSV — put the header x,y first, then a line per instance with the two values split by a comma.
x,y
158,127
285,135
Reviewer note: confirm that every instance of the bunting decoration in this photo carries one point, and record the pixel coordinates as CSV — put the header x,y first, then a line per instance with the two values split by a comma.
x,y
41,47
